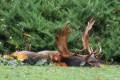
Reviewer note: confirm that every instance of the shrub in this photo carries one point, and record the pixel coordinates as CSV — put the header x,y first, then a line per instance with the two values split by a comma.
x,y
31,24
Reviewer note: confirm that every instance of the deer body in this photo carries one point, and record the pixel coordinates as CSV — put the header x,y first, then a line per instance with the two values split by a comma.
x,y
32,57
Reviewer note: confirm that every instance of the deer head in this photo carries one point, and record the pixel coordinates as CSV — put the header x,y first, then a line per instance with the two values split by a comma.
x,y
93,59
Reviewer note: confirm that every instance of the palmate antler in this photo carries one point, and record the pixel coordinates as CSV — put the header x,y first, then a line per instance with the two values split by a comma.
x,y
61,41
85,37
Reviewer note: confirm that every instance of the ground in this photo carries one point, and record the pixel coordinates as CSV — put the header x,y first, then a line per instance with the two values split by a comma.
x,y
106,72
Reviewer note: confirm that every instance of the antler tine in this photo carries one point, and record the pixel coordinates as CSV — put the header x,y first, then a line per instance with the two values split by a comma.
x,y
90,25
61,41
90,50
100,49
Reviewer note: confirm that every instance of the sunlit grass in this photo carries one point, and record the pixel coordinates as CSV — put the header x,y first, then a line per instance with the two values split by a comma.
x,y
59,73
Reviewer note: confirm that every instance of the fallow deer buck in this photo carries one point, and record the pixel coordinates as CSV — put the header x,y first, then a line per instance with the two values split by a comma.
x,y
63,57
73,59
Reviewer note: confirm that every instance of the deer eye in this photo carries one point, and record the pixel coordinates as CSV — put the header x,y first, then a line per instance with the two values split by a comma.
x,y
97,56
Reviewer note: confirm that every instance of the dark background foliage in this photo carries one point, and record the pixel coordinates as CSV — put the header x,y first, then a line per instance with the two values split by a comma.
x,y
31,24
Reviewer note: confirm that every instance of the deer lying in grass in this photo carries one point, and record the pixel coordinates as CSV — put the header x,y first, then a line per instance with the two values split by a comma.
x,y
63,57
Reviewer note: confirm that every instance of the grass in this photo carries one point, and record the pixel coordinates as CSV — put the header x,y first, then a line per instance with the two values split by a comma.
x,y
59,73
